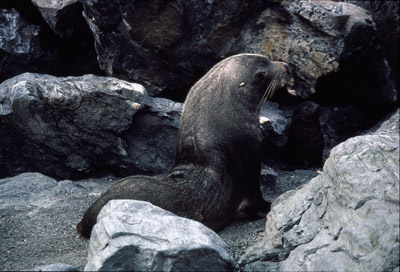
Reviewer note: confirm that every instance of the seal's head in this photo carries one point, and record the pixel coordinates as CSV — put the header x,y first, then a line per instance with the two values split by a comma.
x,y
248,78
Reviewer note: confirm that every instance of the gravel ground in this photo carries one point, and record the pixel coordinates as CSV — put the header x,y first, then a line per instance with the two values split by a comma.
x,y
43,234
242,232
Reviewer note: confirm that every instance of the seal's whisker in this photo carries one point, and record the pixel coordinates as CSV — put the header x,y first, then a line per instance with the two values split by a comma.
x,y
265,95
273,85
276,82
270,90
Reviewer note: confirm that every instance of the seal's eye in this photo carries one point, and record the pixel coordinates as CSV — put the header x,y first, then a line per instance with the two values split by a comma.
x,y
261,74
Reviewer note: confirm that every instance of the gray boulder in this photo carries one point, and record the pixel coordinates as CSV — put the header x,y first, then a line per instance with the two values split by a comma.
x,y
153,137
75,126
345,219
137,236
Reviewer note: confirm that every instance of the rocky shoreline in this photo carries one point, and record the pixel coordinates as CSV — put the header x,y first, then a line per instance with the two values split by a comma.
x,y
40,231
92,91
39,214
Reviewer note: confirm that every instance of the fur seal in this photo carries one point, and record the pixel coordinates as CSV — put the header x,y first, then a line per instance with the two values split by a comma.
x,y
305,143
217,168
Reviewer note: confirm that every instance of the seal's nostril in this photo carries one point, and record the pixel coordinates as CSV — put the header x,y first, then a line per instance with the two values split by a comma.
x,y
286,66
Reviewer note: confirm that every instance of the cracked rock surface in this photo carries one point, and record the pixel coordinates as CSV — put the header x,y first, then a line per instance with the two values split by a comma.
x,y
137,236
345,219
78,127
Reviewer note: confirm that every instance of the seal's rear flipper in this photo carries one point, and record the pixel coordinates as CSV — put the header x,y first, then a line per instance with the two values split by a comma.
x,y
255,208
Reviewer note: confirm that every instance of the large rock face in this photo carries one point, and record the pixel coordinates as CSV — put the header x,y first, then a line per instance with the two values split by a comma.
x,y
345,219
171,43
137,236
333,48
75,126
323,41
316,38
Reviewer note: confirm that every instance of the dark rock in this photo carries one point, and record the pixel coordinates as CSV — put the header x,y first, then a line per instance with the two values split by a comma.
x,y
316,38
16,35
138,236
153,137
77,43
331,48
341,54
79,126
386,17
62,45
364,78
22,47
345,219
292,136
171,44
58,15
274,123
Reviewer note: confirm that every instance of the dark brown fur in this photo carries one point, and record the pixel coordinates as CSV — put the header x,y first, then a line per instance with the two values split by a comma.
x,y
305,139
217,168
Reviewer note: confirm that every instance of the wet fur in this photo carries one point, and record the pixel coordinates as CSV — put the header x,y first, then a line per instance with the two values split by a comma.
x,y
218,162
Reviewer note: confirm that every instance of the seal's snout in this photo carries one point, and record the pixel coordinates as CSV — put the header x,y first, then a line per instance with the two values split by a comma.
x,y
281,67
284,66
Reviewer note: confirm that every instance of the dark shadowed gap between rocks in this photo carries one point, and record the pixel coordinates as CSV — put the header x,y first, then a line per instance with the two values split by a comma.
x,y
359,85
